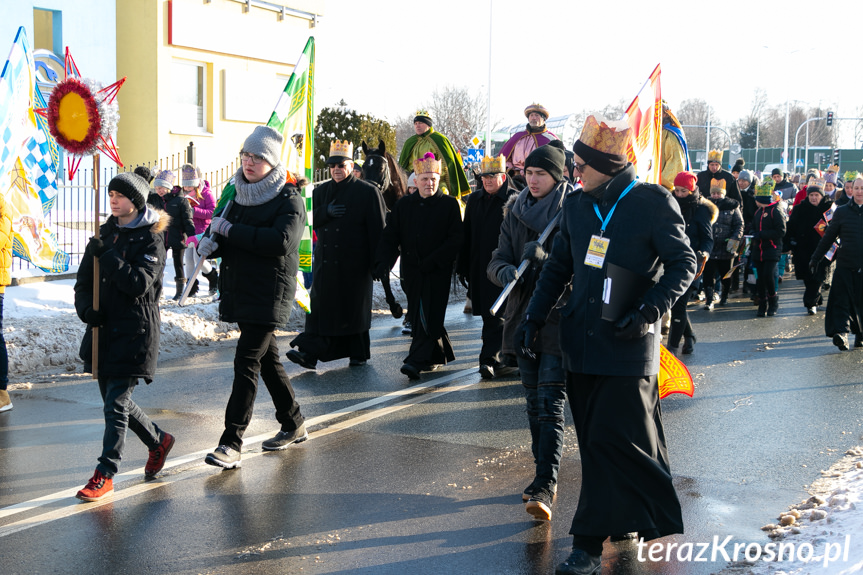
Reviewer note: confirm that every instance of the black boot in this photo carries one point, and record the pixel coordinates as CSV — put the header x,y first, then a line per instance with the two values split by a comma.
x,y
181,285
194,289
688,344
213,280
772,305
723,298
762,307
708,298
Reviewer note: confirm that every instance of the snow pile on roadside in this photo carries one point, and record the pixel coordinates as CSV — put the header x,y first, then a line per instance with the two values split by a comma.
x,y
43,333
823,534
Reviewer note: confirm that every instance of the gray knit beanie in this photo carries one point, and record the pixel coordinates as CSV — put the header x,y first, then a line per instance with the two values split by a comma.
x,y
745,175
265,142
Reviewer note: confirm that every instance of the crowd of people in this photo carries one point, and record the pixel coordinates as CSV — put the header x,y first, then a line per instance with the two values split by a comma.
x,y
536,242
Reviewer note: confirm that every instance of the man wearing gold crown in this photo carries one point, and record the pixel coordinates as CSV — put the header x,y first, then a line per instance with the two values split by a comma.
x,y
483,216
634,232
715,171
534,135
425,229
453,180
348,219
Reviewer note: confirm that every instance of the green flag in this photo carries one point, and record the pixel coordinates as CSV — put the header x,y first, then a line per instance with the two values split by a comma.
x,y
294,118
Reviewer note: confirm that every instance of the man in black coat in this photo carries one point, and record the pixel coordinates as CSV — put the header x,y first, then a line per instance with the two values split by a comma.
x,y
482,219
783,185
348,218
612,364
715,171
425,229
130,250
258,238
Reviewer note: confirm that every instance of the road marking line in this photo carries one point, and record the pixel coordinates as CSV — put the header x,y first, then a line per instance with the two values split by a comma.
x,y
72,506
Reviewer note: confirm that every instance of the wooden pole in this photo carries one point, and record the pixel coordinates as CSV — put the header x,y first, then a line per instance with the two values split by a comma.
x,y
96,265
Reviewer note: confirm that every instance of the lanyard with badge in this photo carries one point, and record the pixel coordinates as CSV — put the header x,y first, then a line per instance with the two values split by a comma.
x,y
598,246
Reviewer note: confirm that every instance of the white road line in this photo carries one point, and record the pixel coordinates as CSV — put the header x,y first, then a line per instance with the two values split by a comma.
x,y
72,506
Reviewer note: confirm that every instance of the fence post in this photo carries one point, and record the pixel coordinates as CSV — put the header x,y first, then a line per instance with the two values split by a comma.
x,y
190,154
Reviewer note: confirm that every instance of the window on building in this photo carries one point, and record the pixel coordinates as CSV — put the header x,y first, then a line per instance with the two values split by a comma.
x,y
47,30
188,89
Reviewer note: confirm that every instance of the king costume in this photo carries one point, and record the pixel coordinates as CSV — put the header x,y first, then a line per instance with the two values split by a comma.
x,y
453,180
522,143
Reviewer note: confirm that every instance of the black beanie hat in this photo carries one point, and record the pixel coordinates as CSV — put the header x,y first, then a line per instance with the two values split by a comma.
x,y
132,186
602,162
424,119
550,157
776,172
145,173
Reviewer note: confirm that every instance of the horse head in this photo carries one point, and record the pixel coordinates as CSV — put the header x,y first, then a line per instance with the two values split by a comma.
x,y
382,169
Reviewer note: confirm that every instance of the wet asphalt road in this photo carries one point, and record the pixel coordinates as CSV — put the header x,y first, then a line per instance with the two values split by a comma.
x,y
404,478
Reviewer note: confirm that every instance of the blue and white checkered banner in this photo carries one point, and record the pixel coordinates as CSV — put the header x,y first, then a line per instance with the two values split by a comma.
x,y
17,120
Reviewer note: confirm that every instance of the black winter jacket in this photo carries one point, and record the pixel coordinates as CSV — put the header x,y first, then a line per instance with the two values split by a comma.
x,y
768,229
182,226
847,225
260,258
801,237
728,225
131,274
699,215
731,189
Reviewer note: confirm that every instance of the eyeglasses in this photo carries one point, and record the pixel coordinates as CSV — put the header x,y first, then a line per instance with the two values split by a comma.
x,y
254,158
580,167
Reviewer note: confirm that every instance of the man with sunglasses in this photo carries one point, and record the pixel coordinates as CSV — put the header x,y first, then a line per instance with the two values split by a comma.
x,y
622,248
348,219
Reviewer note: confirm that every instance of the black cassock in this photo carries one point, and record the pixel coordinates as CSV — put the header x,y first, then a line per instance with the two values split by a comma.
x,y
427,233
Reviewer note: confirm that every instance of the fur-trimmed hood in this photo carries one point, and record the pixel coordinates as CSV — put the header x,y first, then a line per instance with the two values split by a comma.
x,y
714,210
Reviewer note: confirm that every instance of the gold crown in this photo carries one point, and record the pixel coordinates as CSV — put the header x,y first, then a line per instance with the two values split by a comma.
x,y
427,164
341,149
493,165
423,113
765,189
818,183
538,108
714,156
606,137
717,183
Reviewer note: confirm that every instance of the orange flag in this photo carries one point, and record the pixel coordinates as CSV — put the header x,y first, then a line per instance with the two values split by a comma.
x,y
644,116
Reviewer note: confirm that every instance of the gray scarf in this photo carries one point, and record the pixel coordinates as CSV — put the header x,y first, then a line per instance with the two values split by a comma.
x,y
260,192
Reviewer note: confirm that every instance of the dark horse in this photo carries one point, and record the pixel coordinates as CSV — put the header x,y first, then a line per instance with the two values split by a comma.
x,y
381,169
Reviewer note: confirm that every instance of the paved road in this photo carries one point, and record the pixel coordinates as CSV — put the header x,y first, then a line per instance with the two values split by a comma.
x,y
403,478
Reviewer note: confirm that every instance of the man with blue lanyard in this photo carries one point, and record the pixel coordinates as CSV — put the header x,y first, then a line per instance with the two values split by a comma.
x,y
615,226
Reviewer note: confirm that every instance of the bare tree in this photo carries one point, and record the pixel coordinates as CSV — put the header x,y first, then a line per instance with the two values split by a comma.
x,y
457,114
694,112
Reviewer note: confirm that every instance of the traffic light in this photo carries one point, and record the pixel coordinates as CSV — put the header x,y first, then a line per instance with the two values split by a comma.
x,y
829,118
835,156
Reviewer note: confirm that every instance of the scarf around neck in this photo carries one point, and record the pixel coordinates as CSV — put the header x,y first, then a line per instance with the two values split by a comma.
x,y
261,192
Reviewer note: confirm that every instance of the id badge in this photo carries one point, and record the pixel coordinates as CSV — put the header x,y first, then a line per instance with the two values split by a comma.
x,y
596,251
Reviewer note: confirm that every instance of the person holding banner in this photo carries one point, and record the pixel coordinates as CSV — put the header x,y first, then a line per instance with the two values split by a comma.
x,y
526,216
258,238
130,248
845,304
616,226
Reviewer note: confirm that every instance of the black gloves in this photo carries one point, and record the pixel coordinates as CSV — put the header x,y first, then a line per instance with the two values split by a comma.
x,y
335,210
381,271
462,279
506,274
94,318
525,338
635,324
533,251
96,247
813,267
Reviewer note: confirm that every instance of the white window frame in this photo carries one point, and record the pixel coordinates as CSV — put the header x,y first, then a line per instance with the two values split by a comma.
x,y
181,124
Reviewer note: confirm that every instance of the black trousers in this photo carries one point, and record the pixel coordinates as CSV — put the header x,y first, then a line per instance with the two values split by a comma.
x,y
492,339
257,353
680,325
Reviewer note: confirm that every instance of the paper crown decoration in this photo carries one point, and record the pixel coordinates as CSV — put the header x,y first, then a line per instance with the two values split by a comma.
x,y
817,183
714,156
830,178
850,176
765,189
341,149
493,165
718,184
609,137
538,108
423,114
833,168
427,164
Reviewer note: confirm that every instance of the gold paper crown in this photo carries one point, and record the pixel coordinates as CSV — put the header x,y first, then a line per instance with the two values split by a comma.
x,y
765,189
427,164
538,108
606,137
817,183
717,183
423,113
493,165
714,156
341,149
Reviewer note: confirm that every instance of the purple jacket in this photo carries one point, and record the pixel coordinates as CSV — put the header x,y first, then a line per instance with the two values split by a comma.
x,y
521,144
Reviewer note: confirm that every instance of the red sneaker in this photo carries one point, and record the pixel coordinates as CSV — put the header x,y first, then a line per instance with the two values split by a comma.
x,y
98,487
156,461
